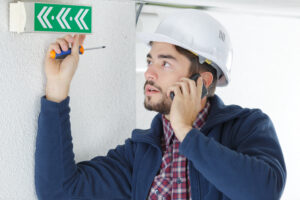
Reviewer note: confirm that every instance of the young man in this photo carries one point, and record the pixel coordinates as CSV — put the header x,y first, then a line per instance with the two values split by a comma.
x,y
197,148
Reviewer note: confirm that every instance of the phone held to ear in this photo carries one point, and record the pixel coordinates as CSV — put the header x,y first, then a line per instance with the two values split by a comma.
x,y
195,78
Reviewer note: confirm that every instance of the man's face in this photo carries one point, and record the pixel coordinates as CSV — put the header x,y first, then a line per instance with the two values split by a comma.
x,y
165,67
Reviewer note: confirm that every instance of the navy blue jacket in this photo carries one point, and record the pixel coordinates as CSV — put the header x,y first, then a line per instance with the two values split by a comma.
x,y
236,155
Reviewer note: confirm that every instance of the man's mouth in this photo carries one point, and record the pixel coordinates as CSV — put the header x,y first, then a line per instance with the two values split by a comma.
x,y
149,90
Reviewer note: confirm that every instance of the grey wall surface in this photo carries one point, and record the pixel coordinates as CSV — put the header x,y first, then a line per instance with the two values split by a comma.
x,y
102,92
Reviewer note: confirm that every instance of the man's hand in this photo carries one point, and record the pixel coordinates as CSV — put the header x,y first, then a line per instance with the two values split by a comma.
x,y
185,106
59,72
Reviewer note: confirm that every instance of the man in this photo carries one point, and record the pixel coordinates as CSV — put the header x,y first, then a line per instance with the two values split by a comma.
x,y
196,148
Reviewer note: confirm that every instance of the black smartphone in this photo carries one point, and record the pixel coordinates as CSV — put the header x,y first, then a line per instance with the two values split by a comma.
x,y
195,78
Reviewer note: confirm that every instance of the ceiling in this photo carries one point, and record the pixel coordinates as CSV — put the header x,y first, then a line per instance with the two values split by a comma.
x,y
286,8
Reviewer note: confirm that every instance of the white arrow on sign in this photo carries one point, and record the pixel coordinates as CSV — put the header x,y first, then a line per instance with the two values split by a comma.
x,y
64,18
76,18
64,21
46,15
40,18
58,18
81,18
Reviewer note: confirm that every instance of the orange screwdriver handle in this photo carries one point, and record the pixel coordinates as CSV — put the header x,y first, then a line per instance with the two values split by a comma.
x,y
64,54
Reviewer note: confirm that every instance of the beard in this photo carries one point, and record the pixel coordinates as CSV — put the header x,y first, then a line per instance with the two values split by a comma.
x,y
163,105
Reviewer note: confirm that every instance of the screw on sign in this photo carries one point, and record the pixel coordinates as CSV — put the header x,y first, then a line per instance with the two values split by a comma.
x,y
62,18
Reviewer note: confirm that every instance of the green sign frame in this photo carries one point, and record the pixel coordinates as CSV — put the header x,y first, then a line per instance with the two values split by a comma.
x,y
62,18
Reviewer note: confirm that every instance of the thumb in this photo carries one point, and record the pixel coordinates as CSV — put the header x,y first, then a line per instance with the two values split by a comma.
x,y
75,45
81,39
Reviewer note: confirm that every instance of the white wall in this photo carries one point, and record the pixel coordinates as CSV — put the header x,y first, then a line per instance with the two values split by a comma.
x,y
102,94
265,75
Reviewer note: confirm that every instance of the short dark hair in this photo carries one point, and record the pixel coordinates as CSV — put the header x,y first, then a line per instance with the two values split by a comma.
x,y
197,67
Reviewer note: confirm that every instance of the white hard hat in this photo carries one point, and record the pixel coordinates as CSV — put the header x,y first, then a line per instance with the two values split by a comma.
x,y
199,33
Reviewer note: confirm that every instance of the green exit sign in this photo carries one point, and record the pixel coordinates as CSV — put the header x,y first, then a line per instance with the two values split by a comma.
x,y
37,17
62,18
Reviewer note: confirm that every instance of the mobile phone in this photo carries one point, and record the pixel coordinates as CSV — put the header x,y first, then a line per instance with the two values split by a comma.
x,y
195,78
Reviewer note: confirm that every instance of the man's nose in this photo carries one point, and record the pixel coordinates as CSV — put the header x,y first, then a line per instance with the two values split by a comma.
x,y
150,73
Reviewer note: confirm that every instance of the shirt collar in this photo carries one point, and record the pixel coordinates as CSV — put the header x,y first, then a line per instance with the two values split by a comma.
x,y
198,123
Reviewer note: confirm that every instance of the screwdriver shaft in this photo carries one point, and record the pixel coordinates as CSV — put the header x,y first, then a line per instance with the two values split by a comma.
x,y
64,54
92,48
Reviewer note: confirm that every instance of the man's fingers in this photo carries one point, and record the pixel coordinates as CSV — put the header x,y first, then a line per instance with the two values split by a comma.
x,y
52,47
184,87
55,47
176,91
192,86
64,45
69,38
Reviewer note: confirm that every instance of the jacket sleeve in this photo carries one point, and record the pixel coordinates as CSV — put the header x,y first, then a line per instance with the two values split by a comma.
x,y
254,169
56,174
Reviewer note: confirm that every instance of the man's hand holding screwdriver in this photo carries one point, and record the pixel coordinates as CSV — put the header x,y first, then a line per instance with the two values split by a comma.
x,y
59,72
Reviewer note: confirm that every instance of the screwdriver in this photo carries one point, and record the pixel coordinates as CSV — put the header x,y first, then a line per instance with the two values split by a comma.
x,y
64,54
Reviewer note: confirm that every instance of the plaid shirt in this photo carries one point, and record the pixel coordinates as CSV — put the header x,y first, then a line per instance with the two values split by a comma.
x,y
172,181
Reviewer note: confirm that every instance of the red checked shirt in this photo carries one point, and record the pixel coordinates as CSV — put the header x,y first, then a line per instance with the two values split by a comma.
x,y
172,181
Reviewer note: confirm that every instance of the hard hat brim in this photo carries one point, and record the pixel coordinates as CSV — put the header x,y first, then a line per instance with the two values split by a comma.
x,y
155,37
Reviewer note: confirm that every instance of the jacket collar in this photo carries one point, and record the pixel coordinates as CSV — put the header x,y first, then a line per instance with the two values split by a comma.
x,y
218,113
152,135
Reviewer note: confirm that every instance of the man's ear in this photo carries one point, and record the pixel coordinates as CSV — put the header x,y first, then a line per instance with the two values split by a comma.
x,y
207,78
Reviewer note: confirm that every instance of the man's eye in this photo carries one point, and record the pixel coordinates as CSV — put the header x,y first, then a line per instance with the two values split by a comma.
x,y
148,62
168,65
